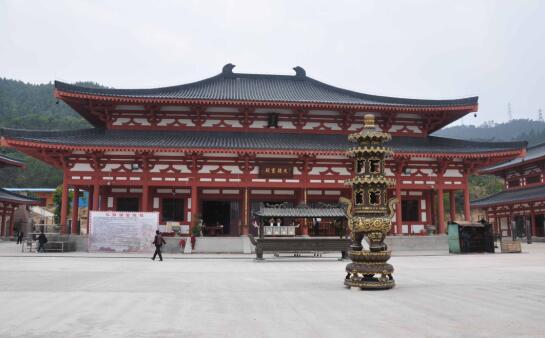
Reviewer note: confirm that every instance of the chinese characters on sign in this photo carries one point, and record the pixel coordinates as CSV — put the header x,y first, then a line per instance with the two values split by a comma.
x,y
113,231
275,170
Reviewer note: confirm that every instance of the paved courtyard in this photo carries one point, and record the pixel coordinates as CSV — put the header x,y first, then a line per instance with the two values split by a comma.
x,y
82,295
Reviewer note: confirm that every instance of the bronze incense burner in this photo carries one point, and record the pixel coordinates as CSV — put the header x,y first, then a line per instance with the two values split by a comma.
x,y
372,212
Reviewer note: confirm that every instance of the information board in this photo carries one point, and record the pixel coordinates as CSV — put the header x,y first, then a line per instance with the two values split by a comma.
x,y
116,231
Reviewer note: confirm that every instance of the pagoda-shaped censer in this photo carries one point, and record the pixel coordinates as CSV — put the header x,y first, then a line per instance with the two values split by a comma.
x,y
372,213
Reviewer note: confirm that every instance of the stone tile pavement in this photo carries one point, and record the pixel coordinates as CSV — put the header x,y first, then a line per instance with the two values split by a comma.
x,y
88,295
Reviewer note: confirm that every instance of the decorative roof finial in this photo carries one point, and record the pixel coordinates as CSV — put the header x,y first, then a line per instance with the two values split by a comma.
x,y
299,71
369,121
228,68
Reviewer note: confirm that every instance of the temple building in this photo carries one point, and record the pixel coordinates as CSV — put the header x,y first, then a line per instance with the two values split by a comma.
x,y
217,148
521,205
10,201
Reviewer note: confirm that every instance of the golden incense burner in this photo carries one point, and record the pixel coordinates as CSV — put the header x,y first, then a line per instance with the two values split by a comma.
x,y
372,211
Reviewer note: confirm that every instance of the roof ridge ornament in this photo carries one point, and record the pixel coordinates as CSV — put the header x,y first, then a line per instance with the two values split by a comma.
x,y
300,71
228,69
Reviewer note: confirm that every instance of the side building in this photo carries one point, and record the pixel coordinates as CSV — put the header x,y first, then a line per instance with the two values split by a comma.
x,y
521,205
219,147
10,201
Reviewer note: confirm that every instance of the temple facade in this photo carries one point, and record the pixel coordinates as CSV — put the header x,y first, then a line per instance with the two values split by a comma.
x,y
217,148
520,207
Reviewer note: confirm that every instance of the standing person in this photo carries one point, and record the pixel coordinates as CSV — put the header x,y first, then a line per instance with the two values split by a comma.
x,y
158,241
316,226
41,241
20,236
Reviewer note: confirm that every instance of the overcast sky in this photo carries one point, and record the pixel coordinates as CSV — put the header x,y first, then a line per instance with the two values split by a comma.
x,y
417,49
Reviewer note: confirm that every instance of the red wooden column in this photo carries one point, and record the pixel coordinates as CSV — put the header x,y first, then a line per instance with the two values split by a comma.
x,y
441,208
89,206
145,185
245,211
452,200
96,186
75,210
11,220
194,205
96,194
399,220
145,197
90,196
533,220
64,205
467,210
2,219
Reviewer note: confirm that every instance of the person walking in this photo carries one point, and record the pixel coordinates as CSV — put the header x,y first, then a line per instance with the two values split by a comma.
x,y
20,236
158,241
41,241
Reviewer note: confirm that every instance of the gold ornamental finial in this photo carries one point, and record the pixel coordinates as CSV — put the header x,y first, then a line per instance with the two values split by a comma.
x,y
369,121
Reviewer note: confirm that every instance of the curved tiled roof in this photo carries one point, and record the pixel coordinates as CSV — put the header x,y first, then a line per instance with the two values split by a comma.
x,y
302,212
6,161
510,196
98,137
533,153
15,198
263,88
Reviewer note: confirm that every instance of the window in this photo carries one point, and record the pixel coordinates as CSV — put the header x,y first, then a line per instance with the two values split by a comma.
x,y
359,197
533,179
514,183
410,211
375,166
374,197
173,209
359,167
272,121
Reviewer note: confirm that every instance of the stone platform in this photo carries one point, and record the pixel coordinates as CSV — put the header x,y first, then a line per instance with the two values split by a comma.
x,y
233,245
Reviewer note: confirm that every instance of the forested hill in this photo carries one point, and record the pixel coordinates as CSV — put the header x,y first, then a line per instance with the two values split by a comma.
x,y
30,106
514,130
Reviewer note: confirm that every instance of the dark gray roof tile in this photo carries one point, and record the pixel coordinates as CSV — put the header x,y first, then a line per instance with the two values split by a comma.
x,y
16,198
510,196
302,212
261,87
248,140
6,161
533,153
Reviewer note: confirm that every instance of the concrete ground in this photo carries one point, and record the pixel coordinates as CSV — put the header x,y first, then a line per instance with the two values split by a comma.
x,y
84,295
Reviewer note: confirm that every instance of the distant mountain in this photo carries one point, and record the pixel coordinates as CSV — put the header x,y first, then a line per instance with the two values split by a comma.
x,y
24,105
514,130
29,106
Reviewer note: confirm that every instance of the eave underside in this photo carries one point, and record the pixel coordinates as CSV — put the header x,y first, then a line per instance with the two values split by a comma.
x,y
93,107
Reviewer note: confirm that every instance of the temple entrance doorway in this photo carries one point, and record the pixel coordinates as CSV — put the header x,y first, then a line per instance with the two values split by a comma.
x,y
216,216
540,228
128,204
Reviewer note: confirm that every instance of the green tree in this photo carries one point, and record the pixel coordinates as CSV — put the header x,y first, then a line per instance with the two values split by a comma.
x,y
484,185
57,200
